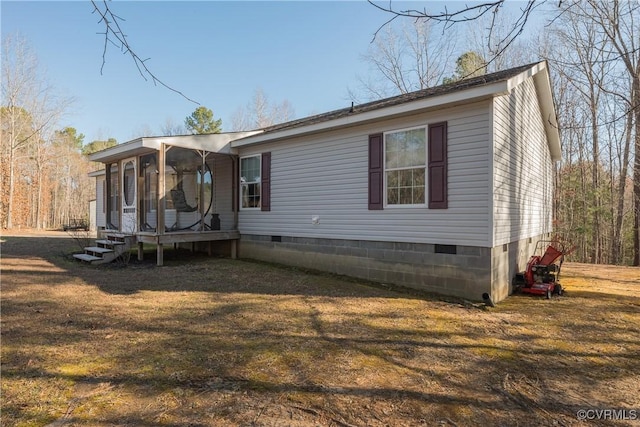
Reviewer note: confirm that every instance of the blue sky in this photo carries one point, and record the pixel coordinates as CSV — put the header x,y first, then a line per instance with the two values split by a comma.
x,y
217,53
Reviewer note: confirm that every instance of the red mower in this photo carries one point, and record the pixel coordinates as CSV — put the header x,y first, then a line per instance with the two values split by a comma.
x,y
542,275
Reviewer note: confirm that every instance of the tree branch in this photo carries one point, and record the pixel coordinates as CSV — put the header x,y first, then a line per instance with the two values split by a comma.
x,y
466,13
114,34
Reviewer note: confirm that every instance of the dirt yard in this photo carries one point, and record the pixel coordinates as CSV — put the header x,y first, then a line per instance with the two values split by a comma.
x,y
216,342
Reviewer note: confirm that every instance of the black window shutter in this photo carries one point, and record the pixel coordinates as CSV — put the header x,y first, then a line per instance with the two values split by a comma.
x,y
438,166
376,171
265,183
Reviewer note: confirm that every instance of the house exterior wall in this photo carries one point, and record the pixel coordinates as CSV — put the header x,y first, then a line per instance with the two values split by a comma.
x,y
92,215
522,168
223,192
522,185
101,216
326,175
507,260
466,274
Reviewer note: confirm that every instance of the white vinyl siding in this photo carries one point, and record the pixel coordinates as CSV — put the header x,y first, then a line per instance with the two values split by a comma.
x,y
523,170
101,216
223,192
326,175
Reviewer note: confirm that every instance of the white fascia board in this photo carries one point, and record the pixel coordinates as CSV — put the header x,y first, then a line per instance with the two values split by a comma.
x,y
125,149
97,173
542,83
214,142
520,78
409,107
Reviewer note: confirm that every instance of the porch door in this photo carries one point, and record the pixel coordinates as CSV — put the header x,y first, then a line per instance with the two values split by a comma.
x,y
129,196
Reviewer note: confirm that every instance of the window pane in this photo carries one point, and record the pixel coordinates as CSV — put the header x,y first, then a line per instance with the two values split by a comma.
x,y
418,195
393,179
392,196
418,177
406,179
250,195
405,196
250,169
405,148
405,164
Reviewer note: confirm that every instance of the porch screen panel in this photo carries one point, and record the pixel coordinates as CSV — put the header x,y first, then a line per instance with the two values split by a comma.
x,y
114,201
149,174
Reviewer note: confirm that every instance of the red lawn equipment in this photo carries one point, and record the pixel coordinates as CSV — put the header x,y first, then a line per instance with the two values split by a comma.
x,y
542,275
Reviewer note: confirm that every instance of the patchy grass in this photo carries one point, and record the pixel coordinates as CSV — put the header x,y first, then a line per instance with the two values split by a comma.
x,y
210,341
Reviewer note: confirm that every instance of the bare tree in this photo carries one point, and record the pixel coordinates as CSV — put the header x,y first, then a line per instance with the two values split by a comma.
x,y
170,127
488,36
597,113
261,113
30,111
465,13
619,22
405,58
584,49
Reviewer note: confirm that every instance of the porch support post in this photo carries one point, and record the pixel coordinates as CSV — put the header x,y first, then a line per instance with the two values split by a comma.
x,y
203,154
141,210
235,203
162,155
107,170
234,248
121,194
140,251
160,254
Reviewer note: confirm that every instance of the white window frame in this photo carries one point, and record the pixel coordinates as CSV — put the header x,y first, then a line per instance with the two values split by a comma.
x,y
426,168
242,184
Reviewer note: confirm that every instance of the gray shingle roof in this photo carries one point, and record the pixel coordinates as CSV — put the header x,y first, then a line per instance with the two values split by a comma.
x,y
404,98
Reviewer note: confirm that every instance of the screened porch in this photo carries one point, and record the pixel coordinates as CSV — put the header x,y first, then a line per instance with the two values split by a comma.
x,y
172,190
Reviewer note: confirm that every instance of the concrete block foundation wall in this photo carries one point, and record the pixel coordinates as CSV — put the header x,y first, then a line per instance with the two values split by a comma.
x,y
509,259
466,274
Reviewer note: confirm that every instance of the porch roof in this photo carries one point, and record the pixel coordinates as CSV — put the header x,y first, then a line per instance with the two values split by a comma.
x,y
213,143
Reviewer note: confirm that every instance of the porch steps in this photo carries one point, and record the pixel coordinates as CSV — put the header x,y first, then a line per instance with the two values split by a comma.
x,y
97,250
86,257
106,243
107,249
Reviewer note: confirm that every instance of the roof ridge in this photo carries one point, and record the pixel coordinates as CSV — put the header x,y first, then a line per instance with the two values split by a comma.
x,y
403,98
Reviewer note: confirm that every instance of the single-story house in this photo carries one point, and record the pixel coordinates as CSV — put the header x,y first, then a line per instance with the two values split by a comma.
x,y
445,189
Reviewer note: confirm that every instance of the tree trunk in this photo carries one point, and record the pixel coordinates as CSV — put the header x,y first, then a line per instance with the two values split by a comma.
x,y
636,171
595,180
11,186
622,185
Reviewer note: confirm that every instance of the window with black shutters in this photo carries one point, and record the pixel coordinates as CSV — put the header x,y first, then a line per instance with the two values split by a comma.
x,y
409,168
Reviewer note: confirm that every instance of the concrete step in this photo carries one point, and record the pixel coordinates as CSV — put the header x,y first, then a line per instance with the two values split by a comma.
x,y
109,242
87,257
98,250
121,237
118,235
